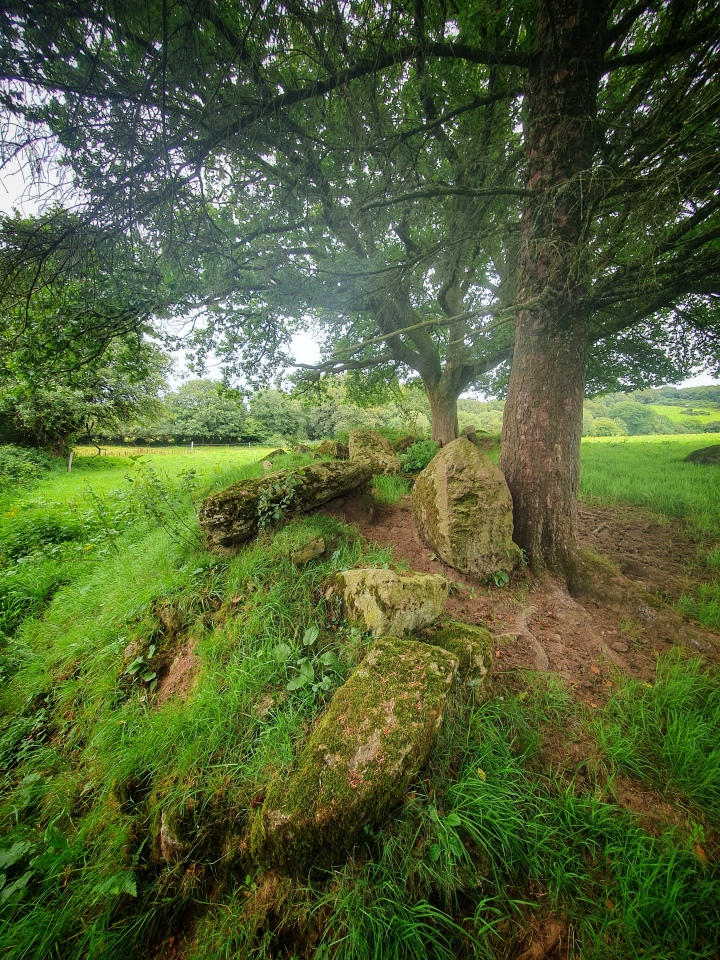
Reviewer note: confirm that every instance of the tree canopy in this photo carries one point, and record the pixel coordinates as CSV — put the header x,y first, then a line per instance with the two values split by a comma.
x,y
440,188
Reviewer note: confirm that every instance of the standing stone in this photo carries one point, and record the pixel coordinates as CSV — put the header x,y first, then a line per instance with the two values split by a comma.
x,y
376,735
463,511
375,449
387,604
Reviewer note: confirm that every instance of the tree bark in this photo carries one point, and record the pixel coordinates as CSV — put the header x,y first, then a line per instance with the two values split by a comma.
x,y
443,413
542,423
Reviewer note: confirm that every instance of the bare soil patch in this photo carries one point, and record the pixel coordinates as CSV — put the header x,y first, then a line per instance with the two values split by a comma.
x,y
622,623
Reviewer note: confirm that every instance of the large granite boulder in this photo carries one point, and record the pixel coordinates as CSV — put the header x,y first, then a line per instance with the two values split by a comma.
x,y
463,511
375,449
376,735
705,455
471,646
387,604
233,515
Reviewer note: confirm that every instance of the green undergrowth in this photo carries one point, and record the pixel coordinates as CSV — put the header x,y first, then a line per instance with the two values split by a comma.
x,y
390,489
55,526
126,796
100,763
668,732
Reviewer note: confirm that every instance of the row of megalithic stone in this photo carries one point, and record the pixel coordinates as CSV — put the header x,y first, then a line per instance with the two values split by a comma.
x,y
379,728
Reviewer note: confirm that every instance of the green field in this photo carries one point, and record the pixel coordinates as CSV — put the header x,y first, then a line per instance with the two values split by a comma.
x,y
651,472
104,577
701,413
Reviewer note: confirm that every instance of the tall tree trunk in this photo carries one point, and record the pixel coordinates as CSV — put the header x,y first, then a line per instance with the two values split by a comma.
x,y
542,424
443,413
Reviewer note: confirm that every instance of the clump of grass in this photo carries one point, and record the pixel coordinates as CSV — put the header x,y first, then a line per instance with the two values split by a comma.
x,y
390,489
704,606
668,732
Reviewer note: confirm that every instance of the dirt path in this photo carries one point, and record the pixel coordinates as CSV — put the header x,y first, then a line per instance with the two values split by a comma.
x,y
623,622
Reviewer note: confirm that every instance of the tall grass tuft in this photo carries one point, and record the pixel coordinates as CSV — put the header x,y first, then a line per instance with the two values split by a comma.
x,y
669,732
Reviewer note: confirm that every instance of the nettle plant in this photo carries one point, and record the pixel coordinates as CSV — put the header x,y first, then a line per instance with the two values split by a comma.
x,y
276,499
314,671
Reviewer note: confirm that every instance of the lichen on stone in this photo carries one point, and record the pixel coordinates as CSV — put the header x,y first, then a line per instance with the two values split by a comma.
x,y
376,735
471,645
374,449
231,516
388,604
463,511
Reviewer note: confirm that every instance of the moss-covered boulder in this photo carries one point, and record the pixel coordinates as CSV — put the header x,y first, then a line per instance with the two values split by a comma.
x,y
709,455
334,449
472,647
375,449
463,511
233,515
387,604
404,443
376,735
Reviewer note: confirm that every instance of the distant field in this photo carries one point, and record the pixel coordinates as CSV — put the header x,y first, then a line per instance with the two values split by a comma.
x,y
679,414
650,472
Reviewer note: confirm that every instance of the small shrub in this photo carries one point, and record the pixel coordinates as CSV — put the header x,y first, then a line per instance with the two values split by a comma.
x,y
712,426
418,456
21,466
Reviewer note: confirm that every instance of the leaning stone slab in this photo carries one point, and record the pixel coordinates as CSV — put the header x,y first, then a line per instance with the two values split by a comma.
x,y
463,511
231,516
387,604
374,738
472,647
375,449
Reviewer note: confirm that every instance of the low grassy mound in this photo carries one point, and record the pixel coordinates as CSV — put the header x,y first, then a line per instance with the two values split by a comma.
x,y
156,691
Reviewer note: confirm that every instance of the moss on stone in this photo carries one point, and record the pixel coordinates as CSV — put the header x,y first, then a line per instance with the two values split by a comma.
x,y
471,645
231,516
463,511
385,603
375,736
375,450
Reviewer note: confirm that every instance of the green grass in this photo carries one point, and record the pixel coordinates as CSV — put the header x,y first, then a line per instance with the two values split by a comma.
x,y
94,763
390,489
650,472
668,732
706,412
54,527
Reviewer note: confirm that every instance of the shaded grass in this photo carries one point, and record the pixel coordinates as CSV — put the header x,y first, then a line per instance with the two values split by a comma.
x,y
390,489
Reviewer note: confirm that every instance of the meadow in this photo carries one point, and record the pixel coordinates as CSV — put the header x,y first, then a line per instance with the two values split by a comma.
x,y
691,415
105,579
